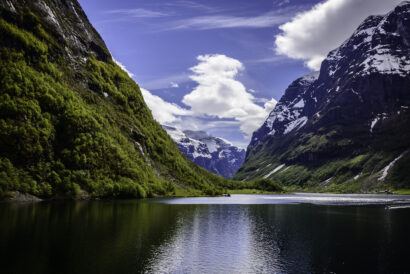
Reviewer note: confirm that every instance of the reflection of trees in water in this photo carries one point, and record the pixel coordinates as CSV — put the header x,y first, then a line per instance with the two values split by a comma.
x,y
307,238
277,231
131,236
318,239
90,237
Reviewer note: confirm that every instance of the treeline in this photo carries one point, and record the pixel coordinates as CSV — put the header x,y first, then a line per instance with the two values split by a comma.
x,y
259,184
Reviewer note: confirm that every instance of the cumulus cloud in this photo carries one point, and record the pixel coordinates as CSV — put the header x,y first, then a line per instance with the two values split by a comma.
x,y
221,95
164,112
218,100
252,121
130,74
311,35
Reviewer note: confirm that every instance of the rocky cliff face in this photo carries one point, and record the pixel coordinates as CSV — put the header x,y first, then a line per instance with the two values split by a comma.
x,y
291,112
72,123
212,153
66,21
346,127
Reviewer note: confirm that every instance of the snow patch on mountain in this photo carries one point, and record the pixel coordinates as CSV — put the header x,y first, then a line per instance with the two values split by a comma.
x,y
212,145
386,63
214,154
373,123
374,38
175,133
296,124
385,171
310,77
290,111
11,6
300,104
376,119
362,86
273,171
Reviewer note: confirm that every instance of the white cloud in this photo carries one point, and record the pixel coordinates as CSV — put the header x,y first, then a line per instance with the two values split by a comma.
x,y
164,81
282,3
191,5
275,59
311,35
252,121
164,112
268,19
218,101
130,74
174,85
220,95
138,13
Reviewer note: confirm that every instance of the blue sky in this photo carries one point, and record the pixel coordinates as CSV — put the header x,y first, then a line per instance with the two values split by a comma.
x,y
215,65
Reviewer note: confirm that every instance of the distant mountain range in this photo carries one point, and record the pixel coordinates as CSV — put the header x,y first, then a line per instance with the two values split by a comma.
x,y
214,154
346,127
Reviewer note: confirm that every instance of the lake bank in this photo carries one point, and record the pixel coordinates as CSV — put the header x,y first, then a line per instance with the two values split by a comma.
x,y
17,197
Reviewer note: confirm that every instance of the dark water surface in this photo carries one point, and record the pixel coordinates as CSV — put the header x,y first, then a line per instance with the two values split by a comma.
x,y
305,233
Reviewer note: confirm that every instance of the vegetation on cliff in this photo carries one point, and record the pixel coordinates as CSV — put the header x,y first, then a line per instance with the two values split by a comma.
x,y
74,124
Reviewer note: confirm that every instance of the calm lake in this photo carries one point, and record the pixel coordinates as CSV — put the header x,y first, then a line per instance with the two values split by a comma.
x,y
300,233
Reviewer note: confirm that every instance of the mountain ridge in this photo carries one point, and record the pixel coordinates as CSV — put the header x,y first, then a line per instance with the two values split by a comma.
x,y
350,117
212,153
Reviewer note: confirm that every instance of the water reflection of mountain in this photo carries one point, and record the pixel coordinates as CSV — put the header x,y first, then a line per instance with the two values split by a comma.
x,y
140,236
82,237
284,238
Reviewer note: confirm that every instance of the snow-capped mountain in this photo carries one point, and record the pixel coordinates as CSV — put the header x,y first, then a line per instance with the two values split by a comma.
x,y
290,111
348,122
214,154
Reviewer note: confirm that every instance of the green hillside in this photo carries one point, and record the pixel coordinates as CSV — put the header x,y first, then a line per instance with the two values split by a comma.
x,y
72,122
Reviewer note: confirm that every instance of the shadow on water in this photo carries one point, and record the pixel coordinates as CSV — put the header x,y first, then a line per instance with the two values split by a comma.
x,y
81,237
135,236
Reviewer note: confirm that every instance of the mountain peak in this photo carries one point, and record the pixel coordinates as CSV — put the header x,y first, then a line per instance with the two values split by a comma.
x,y
357,107
379,45
212,153
311,77
290,113
403,3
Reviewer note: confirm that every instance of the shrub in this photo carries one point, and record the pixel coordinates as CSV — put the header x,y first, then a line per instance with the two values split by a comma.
x,y
267,185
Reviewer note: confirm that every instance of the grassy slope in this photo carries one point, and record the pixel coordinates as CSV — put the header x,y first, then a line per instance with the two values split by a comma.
x,y
351,164
60,135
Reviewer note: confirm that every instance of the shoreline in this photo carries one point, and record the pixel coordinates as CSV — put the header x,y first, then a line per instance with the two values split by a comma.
x,y
18,197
